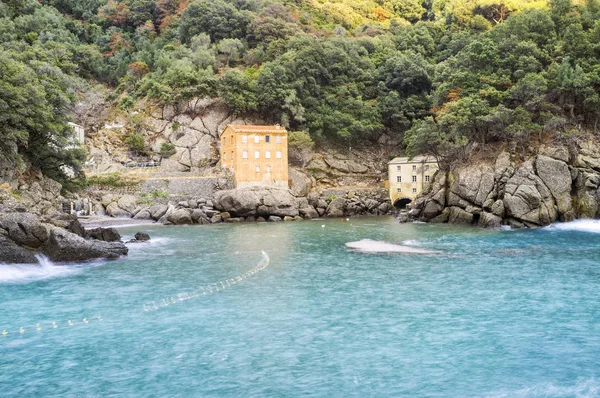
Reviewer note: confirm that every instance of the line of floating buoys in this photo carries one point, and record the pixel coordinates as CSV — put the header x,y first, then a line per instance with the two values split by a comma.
x,y
154,305
51,325
208,289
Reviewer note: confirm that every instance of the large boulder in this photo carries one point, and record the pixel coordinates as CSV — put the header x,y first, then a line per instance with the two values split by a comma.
x,y
11,253
557,177
473,184
345,165
24,229
301,182
336,208
103,234
127,203
180,217
64,246
257,201
528,199
157,211
143,214
115,211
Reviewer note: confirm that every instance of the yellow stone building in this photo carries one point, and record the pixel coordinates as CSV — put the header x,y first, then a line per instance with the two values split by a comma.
x,y
257,155
408,178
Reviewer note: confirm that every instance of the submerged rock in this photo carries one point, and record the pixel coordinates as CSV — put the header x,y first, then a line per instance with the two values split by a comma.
x,y
140,237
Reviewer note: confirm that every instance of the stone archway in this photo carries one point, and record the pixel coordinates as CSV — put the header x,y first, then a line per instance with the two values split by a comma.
x,y
401,203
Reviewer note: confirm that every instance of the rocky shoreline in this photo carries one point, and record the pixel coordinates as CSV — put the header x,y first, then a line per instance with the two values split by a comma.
x,y
559,184
250,204
64,238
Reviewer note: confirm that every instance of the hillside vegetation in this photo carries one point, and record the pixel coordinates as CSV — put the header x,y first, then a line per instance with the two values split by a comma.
x,y
439,74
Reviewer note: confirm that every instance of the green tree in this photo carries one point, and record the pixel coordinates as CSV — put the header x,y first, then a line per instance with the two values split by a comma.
x,y
219,19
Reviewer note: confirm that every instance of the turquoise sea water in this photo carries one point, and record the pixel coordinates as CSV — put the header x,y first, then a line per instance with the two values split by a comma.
x,y
495,314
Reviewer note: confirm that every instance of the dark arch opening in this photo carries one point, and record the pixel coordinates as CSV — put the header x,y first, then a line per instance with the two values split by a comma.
x,y
401,203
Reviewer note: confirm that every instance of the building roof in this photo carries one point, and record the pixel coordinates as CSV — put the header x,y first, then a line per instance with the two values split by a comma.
x,y
416,159
257,129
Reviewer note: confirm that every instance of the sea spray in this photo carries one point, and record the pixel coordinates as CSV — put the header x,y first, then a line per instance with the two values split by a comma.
x,y
45,269
585,225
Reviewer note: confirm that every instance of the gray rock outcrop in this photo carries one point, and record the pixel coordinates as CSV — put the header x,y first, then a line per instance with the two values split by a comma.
x,y
552,186
23,235
257,201
63,246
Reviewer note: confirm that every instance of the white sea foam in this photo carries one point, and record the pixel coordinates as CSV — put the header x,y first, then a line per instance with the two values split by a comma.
x,y
579,225
373,246
583,388
411,242
19,273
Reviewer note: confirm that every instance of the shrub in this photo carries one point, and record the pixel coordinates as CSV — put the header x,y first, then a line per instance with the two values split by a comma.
x,y
167,150
135,142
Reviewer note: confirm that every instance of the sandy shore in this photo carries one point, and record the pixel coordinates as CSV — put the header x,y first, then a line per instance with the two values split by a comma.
x,y
108,222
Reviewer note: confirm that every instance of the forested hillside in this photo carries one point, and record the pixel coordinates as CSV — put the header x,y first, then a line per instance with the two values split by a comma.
x,y
441,74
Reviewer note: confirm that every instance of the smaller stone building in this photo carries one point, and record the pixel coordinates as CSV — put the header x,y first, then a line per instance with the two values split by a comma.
x,y
408,178
257,155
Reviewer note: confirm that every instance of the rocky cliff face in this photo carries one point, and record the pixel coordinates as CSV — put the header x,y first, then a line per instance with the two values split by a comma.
x,y
559,184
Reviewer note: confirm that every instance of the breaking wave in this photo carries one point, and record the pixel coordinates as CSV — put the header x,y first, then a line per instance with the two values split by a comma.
x,y
45,269
578,225
373,246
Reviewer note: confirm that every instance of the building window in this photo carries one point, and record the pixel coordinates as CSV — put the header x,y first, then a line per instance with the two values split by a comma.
x,y
244,154
398,179
224,140
399,190
268,169
426,178
232,139
398,168
414,178
258,169
414,190
414,168
256,154
278,154
426,167
224,155
232,155
278,139
268,154
267,138
244,138
256,139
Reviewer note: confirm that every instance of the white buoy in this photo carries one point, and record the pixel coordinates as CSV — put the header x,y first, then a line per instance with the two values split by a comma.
x,y
323,226
37,327
70,323
85,320
21,330
4,333
54,325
